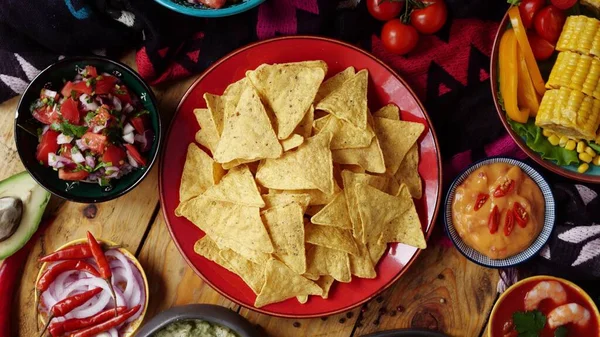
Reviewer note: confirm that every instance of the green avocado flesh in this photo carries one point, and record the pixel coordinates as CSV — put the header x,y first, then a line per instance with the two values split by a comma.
x,y
35,198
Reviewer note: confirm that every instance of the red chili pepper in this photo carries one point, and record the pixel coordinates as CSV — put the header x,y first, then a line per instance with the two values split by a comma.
x,y
494,220
521,215
111,323
509,222
52,273
504,188
76,252
68,304
481,200
60,328
102,263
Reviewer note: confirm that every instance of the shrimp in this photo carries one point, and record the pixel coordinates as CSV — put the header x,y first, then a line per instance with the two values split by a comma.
x,y
544,290
568,313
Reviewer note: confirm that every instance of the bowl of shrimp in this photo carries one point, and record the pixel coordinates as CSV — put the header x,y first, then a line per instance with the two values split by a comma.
x,y
544,306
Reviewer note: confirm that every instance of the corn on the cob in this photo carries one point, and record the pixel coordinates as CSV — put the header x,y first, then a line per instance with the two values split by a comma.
x,y
577,72
581,34
570,113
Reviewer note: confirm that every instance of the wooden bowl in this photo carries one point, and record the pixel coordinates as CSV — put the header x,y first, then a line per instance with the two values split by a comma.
x,y
591,176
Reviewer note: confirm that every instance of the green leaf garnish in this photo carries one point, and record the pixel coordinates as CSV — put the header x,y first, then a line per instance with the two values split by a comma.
x,y
529,324
69,129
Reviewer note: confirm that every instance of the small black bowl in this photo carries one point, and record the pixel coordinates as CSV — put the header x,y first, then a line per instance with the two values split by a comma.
x,y
53,77
206,312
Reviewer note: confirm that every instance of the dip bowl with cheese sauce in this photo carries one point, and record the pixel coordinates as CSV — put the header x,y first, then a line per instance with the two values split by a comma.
x,y
499,212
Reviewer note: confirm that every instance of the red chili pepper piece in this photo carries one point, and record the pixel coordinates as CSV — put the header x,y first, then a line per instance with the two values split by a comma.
x,y
58,329
102,263
111,323
509,222
76,252
67,305
481,200
52,273
521,215
504,188
494,220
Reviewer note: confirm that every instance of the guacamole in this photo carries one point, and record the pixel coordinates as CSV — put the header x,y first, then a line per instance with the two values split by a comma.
x,y
194,328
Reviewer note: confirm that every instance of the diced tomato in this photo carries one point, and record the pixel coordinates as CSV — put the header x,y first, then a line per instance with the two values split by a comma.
x,y
133,152
139,123
46,114
123,94
66,174
97,143
91,71
114,155
214,3
47,145
105,85
81,88
65,150
67,89
102,117
70,112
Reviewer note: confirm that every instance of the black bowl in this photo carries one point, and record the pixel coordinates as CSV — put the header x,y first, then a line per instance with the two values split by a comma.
x,y
206,312
26,140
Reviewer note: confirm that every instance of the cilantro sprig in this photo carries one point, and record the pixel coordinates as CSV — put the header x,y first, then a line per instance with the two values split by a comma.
x,y
530,323
69,129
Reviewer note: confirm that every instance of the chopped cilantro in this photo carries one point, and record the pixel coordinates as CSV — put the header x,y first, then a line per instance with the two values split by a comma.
x,y
530,323
562,331
113,134
36,105
40,131
141,113
594,146
69,129
104,182
73,94
120,92
101,165
89,116
89,99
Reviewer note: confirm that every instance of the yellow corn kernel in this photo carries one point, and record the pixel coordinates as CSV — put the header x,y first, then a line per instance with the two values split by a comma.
x,y
581,146
554,140
583,168
585,157
563,141
590,151
547,133
571,144
596,161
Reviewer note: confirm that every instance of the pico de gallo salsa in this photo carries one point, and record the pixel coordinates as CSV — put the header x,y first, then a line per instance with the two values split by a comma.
x,y
95,129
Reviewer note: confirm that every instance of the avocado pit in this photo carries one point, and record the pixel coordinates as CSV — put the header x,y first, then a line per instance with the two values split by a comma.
x,y
11,211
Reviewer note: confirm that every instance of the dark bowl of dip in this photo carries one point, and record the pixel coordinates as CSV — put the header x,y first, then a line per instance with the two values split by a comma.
x,y
198,320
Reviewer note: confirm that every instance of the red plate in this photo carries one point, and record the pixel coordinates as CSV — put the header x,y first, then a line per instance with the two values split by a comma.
x,y
385,86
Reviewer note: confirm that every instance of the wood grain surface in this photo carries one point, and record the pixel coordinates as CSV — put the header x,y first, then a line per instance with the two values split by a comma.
x,y
441,291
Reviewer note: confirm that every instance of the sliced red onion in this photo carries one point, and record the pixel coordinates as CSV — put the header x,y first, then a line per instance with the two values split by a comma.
x,y
128,128
99,128
50,94
91,307
90,161
113,332
128,108
77,78
129,138
81,145
91,106
48,300
60,281
56,161
145,140
111,172
127,268
77,156
132,161
116,102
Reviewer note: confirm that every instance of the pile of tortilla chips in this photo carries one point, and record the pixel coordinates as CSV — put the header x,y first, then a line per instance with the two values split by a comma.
x,y
303,186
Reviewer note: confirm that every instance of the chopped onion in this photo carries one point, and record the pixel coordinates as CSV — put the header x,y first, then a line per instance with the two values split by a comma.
x,y
77,156
111,172
129,138
49,93
81,145
92,106
116,102
132,161
145,140
77,78
63,139
98,128
90,161
56,161
128,128
45,129
128,108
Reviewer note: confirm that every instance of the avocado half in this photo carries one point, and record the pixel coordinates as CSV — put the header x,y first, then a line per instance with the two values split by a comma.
x,y
34,198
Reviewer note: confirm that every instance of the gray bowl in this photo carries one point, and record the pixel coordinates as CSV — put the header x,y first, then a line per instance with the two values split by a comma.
x,y
206,312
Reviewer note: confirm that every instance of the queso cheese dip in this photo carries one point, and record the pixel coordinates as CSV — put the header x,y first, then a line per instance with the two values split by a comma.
x,y
498,210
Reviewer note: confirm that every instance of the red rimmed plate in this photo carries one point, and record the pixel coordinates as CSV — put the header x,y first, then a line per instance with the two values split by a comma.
x,y
385,86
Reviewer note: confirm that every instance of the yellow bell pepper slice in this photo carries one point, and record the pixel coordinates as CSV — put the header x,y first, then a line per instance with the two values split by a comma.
x,y
526,95
509,70
521,33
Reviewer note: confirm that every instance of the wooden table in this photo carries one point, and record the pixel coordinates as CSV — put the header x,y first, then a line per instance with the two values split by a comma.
x,y
441,291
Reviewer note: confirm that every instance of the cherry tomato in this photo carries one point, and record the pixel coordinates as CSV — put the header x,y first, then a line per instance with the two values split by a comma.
x,y
139,123
494,220
528,9
135,154
91,71
509,222
114,155
504,188
542,49
549,23
481,199
399,38
46,114
96,143
384,10
66,174
105,85
563,4
70,112
430,19
521,215
47,145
